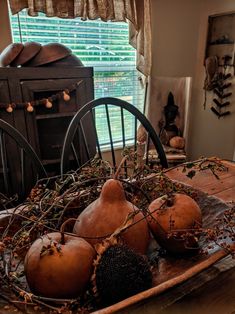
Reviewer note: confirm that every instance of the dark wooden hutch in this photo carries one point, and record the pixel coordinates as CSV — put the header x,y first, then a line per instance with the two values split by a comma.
x,y
45,128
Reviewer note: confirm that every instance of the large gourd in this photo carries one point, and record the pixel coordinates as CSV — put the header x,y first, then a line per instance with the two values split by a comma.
x,y
107,213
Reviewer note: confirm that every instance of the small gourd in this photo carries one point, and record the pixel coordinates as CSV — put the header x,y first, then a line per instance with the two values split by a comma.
x,y
178,214
9,108
59,267
48,104
177,142
66,96
30,107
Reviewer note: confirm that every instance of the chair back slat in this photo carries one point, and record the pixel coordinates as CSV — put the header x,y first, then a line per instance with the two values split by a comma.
x,y
16,172
84,140
22,165
108,103
110,135
75,155
123,129
4,162
123,138
135,133
92,114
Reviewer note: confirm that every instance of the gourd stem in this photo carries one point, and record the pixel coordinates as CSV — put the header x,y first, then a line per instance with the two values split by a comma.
x,y
62,240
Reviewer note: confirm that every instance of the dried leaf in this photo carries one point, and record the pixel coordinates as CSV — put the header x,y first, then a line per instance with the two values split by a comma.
x,y
191,174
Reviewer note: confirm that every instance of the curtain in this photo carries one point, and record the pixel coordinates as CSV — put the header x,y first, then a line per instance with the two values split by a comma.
x,y
135,12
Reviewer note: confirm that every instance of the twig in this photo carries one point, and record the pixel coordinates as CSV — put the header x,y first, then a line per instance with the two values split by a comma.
x,y
10,301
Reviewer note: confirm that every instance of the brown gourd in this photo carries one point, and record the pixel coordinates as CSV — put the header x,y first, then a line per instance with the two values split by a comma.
x,y
178,213
107,213
59,267
177,142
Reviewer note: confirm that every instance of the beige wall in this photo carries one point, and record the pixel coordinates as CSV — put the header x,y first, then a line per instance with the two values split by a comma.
x,y
179,30
175,36
210,135
5,31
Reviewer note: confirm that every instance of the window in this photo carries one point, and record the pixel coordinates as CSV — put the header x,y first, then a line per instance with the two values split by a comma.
x,y
102,45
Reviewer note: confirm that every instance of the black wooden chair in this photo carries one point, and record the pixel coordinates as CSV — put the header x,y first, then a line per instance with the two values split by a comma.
x,y
118,121
18,172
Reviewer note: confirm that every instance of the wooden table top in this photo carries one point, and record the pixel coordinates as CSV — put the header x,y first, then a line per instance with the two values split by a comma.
x,y
224,188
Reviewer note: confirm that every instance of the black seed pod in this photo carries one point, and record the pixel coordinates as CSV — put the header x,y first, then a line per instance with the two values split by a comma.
x,y
120,274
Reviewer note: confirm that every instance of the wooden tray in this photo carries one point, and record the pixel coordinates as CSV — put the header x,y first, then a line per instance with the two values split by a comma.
x,y
171,270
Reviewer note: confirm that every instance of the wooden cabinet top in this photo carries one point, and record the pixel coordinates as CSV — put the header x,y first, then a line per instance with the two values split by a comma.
x,y
46,72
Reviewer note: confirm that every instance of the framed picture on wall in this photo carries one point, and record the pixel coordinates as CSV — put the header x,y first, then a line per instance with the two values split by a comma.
x,y
221,38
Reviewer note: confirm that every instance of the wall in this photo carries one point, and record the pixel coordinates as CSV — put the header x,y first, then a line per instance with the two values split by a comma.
x,y
210,135
179,30
5,29
175,36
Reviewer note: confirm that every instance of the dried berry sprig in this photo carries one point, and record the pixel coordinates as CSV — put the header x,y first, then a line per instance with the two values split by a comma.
x,y
213,164
221,235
